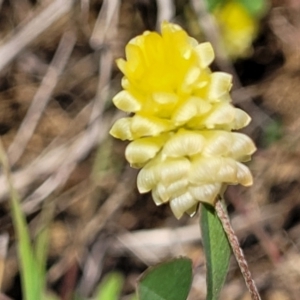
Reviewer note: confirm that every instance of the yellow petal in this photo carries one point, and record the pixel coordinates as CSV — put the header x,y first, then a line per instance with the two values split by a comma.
x,y
142,150
228,171
220,84
206,192
125,83
139,40
183,143
121,63
213,170
192,211
244,175
205,53
165,98
147,178
173,34
173,169
126,102
168,28
176,188
217,143
194,106
181,204
242,147
143,126
241,119
153,48
190,79
221,114
193,42
204,170
160,194
135,66
121,129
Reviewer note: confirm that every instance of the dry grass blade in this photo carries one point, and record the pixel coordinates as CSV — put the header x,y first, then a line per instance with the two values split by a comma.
x,y
42,97
152,246
106,212
166,11
27,33
63,166
106,22
4,239
93,267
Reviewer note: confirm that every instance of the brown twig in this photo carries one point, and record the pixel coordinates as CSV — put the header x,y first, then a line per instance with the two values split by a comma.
x,y
238,252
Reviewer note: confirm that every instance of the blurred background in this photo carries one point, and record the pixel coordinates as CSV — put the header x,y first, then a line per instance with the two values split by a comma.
x,y
57,79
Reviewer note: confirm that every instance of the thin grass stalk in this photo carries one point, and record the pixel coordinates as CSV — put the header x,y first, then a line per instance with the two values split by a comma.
x,y
31,282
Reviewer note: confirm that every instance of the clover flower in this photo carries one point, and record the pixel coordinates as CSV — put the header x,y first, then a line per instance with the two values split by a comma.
x,y
180,121
238,28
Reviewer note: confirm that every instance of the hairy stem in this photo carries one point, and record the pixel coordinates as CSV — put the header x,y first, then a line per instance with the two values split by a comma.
x,y
238,252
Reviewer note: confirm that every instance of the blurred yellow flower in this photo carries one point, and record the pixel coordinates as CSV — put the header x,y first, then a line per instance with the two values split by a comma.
x,y
180,121
238,28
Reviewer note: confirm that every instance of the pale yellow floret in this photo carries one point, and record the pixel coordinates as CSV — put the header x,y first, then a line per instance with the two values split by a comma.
x,y
192,107
220,114
126,102
173,169
143,126
218,143
160,195
140,151
176,188
244,175
165,98
205,54
180,130
242,147
220,84
148,178
183,203
164,193
214,169
241,119
224,143
206,192
183,143
121,129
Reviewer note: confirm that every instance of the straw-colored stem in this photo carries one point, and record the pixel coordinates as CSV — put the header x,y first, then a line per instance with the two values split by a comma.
x,y
238,252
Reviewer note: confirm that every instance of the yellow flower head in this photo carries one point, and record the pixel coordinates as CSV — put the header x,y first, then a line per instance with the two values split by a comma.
x,y
181,121
238,28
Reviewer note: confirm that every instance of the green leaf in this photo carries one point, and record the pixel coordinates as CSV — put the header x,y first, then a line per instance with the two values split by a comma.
x,y
167,281
31,278
256,8
110,288
41,243
217,251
